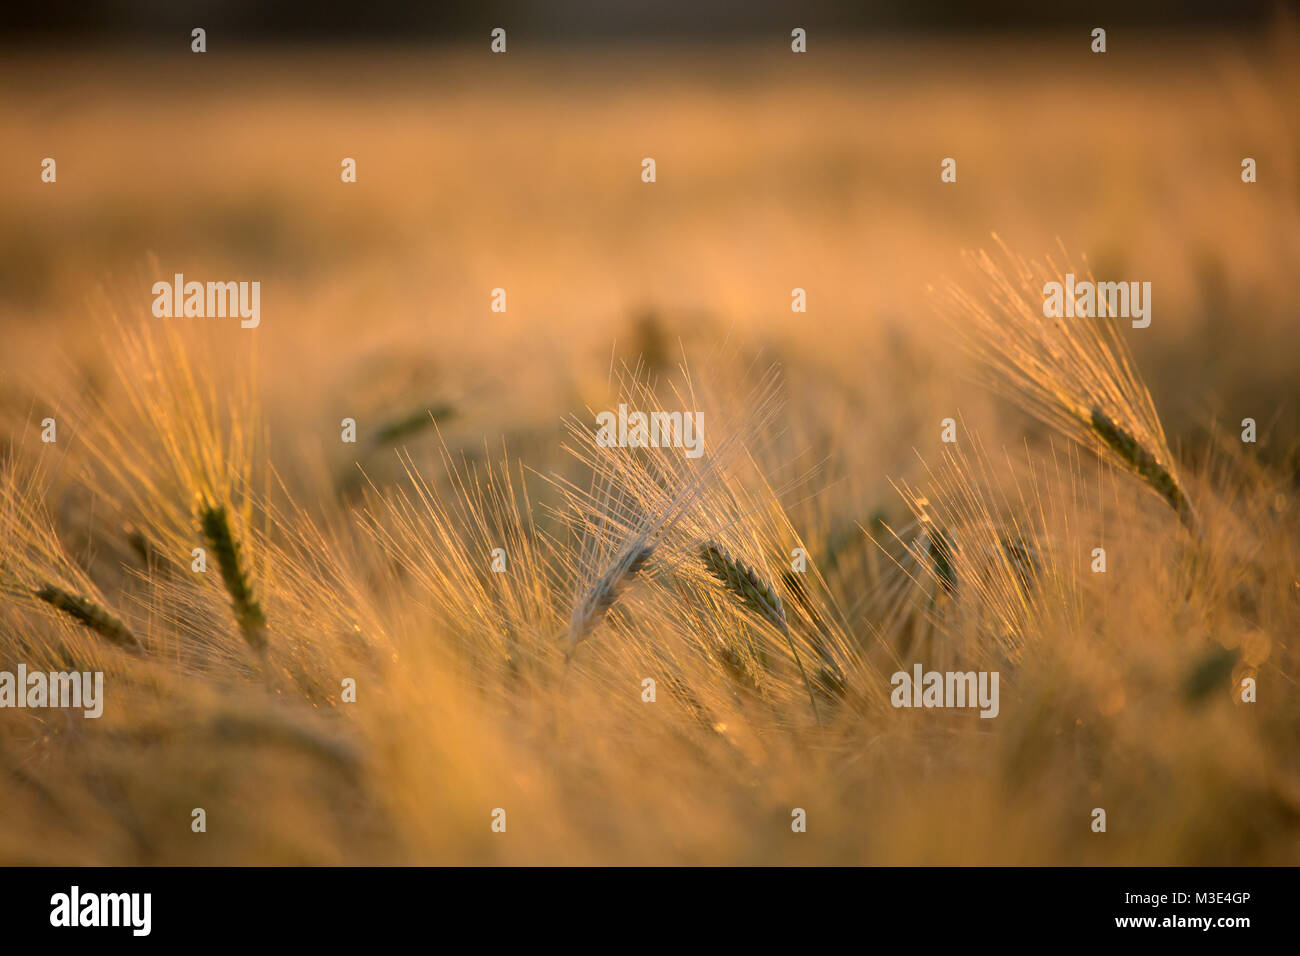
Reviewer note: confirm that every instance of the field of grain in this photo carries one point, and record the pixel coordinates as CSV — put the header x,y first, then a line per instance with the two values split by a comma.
x,y
500,712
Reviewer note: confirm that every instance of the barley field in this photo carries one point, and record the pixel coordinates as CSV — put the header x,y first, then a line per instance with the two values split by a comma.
x,y
478,634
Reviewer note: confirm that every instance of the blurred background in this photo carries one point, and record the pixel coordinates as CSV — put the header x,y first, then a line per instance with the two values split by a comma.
x,y
775,170
628,20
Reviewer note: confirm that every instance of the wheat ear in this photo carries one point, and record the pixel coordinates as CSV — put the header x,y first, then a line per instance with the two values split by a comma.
x,y
215,524
759,596
602,595
1145,464
87,612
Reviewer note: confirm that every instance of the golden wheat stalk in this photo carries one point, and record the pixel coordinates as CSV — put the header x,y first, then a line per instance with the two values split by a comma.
x,y
756,594
413,423
637,501
88,613
220,536
608,587
1075,375
1144,463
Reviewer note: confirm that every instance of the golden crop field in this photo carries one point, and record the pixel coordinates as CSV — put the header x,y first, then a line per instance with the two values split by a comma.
x,y
366,584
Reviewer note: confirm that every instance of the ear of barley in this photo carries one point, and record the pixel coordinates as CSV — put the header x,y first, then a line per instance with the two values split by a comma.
x,y
607,589
225,547
744,583
1074,375
1145,464
413,423
90,614
637,499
